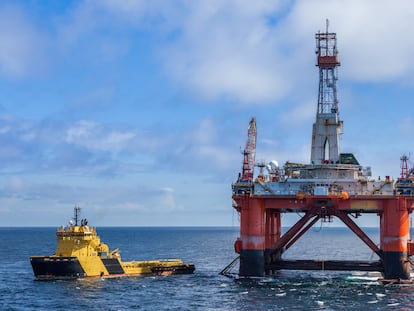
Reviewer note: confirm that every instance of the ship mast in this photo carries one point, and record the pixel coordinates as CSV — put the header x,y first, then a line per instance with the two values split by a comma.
x,y
76,215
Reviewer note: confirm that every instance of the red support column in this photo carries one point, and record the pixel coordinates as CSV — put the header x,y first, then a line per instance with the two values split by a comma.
x,y
252,236
273,227
395,232
268,228
272,235
277,227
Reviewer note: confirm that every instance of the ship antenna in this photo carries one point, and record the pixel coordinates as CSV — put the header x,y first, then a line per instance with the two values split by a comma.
x,y
76,214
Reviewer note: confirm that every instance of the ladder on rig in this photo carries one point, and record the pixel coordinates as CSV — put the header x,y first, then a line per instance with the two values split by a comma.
x,y
227,270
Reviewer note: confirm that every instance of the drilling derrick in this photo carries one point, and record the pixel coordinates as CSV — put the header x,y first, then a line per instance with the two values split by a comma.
x,y
328,127
333,185
249,152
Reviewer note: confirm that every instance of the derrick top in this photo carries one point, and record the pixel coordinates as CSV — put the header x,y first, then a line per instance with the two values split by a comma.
x,y
326,51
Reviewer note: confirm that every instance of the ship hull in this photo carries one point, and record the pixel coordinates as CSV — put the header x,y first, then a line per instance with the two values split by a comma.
x,y
48,267
55,268
182,269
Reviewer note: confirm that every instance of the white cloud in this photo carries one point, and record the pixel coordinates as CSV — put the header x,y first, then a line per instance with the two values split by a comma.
x,y
95,97
130,207
373,36
93,136
16,183
406,125
215,48
22,46
248,52
226,49
269,142
125,8
167,200
299,113
204,147
5,129
229,49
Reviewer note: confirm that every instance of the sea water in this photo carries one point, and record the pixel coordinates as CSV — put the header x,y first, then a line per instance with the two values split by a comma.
x,y
210,249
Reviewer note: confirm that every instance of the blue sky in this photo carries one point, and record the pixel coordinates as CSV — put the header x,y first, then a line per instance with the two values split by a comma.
x,y
136,110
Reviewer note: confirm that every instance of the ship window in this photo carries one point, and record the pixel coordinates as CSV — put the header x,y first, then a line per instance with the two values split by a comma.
x,y
348,158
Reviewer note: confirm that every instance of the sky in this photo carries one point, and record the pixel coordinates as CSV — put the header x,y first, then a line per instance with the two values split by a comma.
x,y
137,111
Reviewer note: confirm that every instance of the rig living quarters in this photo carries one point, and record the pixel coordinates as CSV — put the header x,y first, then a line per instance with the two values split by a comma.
x,y
334,184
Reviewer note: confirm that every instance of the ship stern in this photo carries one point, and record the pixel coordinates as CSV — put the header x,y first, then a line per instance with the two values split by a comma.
x,y
51,267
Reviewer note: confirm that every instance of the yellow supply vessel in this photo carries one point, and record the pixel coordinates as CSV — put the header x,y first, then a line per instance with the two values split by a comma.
x,y
80,254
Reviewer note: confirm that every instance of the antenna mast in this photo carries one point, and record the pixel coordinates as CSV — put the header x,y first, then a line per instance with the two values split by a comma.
x,y
76,215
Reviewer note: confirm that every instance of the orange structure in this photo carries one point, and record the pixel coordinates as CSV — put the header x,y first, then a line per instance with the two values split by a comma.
x,y
333,184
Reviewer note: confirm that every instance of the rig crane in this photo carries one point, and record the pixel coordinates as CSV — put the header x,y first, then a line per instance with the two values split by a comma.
x,y
249,153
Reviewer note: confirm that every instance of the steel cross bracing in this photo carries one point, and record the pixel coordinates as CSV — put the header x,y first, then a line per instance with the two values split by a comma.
x,y
319,207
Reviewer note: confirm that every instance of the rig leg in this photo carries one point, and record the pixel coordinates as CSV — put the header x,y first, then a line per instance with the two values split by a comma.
x,y
252,234
394,237
251,263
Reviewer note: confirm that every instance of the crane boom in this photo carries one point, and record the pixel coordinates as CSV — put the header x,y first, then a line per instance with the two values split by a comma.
x,y
249,152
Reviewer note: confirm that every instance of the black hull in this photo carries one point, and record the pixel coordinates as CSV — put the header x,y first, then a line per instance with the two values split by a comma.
x,y
252,263
396,265
113,266
182,269
46,268
56,268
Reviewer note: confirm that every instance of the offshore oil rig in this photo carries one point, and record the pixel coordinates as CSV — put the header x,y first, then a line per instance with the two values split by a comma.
x,y
333,184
